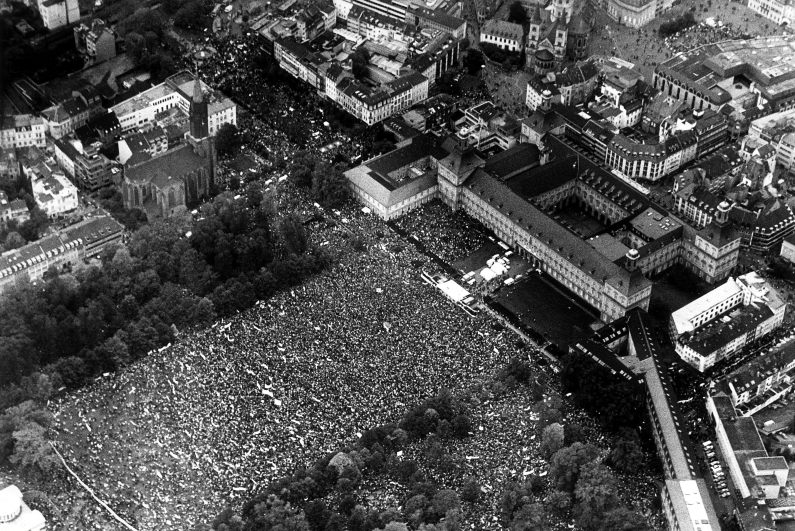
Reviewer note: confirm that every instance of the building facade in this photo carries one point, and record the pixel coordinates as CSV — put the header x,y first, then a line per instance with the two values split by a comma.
x,y
506,35
22,130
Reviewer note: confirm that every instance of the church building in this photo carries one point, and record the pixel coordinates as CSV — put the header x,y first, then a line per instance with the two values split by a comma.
x,y
165,184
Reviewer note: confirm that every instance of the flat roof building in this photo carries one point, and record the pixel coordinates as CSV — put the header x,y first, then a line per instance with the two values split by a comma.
x,y
719,324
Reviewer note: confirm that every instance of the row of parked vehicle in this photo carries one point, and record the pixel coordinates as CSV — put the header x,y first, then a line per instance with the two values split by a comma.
x,y
718,476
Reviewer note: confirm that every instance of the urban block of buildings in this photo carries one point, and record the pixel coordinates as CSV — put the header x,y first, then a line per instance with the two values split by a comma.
x,y
95,42
407,46
629,349
764,485
163,182
15,210
61,250
637,13
779,11
520,194
22,130
762,381
57,13
740,75
175,92
719,324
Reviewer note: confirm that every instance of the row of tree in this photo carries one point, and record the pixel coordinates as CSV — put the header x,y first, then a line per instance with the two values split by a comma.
x,y
172,277
323,497
580,484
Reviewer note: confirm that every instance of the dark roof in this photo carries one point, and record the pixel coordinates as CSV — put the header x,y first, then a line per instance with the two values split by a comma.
x,y
67,148
544,55
106,122
756,371
545,178
421,146
718,333
606,358
93,229
558,238
641,330
178,161
512,161
440,17
400,127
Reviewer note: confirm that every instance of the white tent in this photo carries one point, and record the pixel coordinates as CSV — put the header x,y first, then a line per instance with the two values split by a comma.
x,y
487,274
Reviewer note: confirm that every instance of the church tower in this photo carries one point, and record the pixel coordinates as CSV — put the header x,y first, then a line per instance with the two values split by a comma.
x,y
199,112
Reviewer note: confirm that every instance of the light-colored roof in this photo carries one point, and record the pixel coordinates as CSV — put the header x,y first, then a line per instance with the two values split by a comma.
x,y
683,317
19,515
692,505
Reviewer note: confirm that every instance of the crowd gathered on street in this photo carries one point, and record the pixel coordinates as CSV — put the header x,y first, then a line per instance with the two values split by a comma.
x,y
208,421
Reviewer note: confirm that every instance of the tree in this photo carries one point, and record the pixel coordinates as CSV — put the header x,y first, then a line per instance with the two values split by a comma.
x,y
595,495
474,61
227,140
565,466
317,515
192,15
14,241
517,13
444,501
17,417
519,369
552,439
531,517
135,45
329,186
623,519
302,168
359,61
33,453
559,503
293,235
37,387
272,513
471,490
626,454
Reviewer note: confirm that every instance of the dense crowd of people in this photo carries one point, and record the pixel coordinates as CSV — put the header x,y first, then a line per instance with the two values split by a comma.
x,y
251,398
450,235
210,420
701,34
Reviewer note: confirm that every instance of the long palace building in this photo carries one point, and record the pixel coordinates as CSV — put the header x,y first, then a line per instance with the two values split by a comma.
x,y
521,194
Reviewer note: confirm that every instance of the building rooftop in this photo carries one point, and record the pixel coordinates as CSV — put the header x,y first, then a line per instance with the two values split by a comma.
x,y
771,463
756,371
653,225
768,62
691,502
512,161
683,317
502,29
660,392
175,162
720,332
609,246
